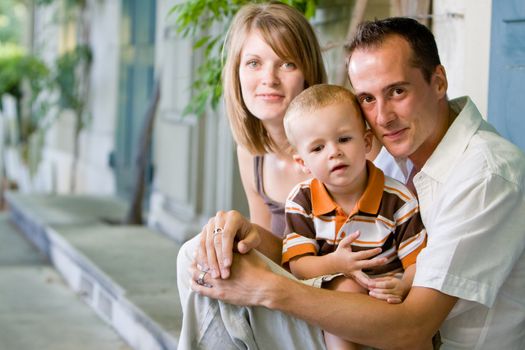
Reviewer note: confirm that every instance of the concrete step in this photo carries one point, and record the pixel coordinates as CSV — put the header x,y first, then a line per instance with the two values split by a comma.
x,y
127,274
38,310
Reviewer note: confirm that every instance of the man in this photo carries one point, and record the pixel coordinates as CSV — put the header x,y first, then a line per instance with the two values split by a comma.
x,y
470,279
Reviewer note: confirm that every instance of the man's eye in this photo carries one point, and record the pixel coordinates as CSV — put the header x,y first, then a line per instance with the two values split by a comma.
x,y
366,99
397,92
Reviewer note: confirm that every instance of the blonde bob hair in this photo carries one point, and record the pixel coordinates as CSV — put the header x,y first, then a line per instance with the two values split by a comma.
x,y
292,38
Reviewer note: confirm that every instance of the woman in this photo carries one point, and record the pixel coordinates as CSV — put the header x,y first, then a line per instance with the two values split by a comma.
x,y
272,55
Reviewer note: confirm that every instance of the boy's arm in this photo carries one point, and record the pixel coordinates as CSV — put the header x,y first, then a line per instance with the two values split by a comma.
x,y
343,260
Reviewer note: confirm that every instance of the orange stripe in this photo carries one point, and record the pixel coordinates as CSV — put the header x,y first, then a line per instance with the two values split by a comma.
x,y
401,194
302,249
409,214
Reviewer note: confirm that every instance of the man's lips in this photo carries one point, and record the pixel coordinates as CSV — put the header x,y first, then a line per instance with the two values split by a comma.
x,y
394,134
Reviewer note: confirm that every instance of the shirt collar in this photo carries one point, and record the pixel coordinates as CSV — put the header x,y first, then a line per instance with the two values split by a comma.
x,y
456,139
322,202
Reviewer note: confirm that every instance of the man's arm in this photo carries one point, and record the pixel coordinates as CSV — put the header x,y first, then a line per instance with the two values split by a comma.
x,y
356,317
360,318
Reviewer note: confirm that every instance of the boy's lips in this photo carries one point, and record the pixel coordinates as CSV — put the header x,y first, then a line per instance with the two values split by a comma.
x,y
339,167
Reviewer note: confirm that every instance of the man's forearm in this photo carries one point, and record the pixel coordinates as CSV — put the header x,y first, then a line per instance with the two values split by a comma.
x,y
360,318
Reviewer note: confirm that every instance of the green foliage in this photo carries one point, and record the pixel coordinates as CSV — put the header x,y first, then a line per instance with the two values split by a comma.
x,y
17,67
196,19
24,75
68,69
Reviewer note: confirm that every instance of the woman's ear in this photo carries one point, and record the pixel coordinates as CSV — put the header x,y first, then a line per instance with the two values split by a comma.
x,y
300,161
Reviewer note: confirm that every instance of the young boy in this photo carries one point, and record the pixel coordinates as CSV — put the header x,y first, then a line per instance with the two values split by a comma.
x,y
349,211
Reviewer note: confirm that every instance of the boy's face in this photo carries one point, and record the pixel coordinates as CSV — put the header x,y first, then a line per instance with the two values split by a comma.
x,y
331,144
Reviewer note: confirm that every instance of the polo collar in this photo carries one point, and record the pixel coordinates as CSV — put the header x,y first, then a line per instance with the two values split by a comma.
x,y
322,202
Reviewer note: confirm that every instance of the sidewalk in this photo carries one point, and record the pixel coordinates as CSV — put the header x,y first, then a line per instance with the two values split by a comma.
x,y
127,274
37,309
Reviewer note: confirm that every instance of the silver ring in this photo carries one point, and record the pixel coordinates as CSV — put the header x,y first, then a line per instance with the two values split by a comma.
x,y
200,280
217,231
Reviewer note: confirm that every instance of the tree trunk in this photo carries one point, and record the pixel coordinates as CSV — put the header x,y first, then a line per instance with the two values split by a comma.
x,y
134,215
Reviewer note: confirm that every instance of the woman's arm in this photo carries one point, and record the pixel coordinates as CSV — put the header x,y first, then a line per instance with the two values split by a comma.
x,y
215,250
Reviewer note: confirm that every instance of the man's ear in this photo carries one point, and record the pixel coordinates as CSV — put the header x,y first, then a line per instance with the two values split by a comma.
x,y
297,158
439,80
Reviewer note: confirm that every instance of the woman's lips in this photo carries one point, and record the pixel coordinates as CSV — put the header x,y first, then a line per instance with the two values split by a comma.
x,y
270,97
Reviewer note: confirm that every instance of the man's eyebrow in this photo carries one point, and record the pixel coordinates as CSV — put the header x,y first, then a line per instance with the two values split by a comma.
x,y
396,84
383,90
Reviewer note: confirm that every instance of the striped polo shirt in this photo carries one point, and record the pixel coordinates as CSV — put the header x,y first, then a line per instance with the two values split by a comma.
x,y
387,215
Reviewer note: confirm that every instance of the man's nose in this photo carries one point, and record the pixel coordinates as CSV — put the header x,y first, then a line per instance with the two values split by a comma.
x,y
384,113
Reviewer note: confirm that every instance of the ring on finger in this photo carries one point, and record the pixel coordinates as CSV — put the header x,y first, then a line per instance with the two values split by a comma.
x,y
200,280
217,231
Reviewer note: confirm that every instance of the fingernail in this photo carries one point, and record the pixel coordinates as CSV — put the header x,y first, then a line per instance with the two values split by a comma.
x,y
226,262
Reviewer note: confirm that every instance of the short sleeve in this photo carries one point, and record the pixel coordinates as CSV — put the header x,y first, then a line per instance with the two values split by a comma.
x,y
475,236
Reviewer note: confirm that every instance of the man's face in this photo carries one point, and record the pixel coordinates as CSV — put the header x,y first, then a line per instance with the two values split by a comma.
x,y
399,104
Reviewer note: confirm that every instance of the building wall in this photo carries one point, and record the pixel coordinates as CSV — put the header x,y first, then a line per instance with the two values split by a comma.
x,y
194,156
462,31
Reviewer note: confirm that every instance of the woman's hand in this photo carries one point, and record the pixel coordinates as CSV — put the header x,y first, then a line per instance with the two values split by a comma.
x,y
218,238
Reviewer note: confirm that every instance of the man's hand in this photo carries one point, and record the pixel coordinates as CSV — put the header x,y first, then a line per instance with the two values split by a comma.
x,y
243,287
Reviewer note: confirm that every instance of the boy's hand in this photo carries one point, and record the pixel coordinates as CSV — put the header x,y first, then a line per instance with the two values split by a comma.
x,y
348,262
391,289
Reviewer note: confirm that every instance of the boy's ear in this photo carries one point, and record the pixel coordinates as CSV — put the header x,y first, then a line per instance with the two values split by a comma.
x,y
297,158
368,137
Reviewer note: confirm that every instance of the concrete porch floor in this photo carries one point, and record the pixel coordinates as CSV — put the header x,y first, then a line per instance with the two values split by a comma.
x,y
37,309
127,274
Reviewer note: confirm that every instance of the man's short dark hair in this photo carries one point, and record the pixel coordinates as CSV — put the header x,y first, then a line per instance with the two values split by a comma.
x,y
371,34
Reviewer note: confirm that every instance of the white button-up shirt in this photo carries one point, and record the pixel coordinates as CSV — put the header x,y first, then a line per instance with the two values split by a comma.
x,y
471,194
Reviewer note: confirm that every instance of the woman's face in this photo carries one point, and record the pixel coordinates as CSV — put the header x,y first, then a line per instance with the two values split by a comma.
x,y
268,83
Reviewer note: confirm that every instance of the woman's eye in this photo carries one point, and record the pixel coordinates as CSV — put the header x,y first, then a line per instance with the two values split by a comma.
x,y
252,63
289,65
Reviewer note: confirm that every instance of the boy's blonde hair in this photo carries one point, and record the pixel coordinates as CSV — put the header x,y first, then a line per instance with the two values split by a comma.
x,y
292,38
314,98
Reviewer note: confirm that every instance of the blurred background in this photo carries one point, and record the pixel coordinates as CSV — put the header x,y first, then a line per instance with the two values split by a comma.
x,y
121,99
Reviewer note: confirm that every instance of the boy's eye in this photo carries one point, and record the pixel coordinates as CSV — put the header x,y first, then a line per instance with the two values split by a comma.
x,y
316,149
345,139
